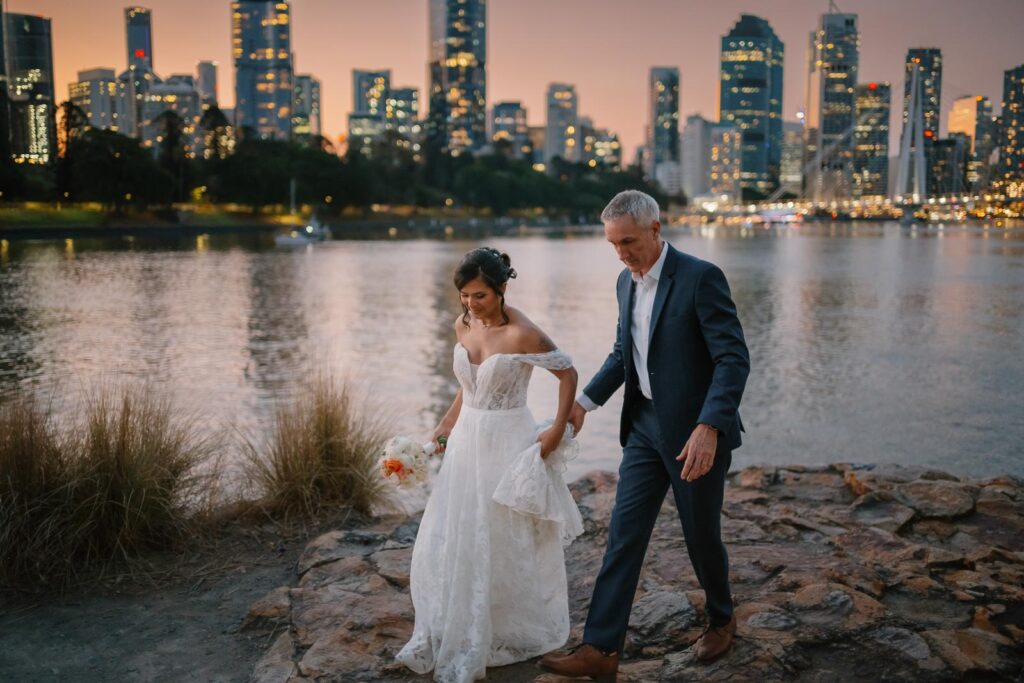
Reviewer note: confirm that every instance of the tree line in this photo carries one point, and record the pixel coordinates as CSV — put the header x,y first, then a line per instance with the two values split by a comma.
x,y
95,165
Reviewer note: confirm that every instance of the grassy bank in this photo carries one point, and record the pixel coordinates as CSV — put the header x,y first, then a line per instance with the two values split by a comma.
x,y
134,474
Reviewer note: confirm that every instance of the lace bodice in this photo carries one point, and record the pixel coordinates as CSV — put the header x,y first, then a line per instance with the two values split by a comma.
x,y
501,380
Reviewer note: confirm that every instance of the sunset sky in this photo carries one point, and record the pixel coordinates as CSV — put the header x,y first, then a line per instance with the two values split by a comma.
x,y
605,47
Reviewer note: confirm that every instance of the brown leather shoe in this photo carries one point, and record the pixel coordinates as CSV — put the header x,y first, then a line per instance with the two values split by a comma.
x,y
584,661
715,641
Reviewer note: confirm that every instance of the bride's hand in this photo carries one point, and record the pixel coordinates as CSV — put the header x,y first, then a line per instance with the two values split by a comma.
x,y
443,431
549,440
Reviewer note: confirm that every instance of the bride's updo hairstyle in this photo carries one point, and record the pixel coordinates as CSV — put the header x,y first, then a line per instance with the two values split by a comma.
x,y
491,266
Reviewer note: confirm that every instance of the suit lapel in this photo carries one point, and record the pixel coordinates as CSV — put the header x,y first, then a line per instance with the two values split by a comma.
x,y
626,319
664,287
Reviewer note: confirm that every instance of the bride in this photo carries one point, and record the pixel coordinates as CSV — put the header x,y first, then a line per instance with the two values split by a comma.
x,y
488,578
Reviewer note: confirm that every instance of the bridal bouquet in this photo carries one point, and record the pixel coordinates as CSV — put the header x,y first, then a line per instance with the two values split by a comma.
x,y
404,461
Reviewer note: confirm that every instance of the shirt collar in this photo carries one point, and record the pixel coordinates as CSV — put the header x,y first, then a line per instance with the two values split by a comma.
x,y
654,274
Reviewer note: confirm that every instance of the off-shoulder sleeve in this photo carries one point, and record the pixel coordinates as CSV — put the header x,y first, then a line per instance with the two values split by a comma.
x,y
550,360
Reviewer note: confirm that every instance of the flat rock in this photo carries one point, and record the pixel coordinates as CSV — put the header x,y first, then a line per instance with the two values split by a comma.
x,y
941,499
921,570
661,614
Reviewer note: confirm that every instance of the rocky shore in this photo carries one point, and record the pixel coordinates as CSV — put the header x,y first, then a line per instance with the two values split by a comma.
x,y
839,573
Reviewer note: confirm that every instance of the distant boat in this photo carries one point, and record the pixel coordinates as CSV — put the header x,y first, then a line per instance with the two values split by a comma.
x,y
310,234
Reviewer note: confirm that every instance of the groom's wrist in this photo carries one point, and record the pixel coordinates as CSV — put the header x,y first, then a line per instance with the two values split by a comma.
x,y
585,402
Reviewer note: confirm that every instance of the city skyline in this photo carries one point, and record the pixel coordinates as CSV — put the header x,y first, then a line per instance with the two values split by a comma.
x,y
605,52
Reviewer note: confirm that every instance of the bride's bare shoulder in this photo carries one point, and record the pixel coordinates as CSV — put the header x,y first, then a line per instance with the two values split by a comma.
x,y
527,335
459,326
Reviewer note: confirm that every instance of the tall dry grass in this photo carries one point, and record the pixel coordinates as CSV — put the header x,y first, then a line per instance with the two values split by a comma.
x,y
76,497
134,473
321,455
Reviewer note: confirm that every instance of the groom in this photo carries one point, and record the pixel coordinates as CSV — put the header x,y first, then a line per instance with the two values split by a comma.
x,y
679,350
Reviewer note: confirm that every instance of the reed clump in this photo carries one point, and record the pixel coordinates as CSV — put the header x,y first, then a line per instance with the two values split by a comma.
x,y
321,454
126,477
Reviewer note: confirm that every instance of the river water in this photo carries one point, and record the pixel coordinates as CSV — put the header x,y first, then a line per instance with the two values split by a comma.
x,y
869,342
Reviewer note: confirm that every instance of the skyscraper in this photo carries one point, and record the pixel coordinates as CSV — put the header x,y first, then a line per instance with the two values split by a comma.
x,y
972,116
262,50
508,123
139,77
662,118
457,120
306,106
724,163
402,114
139,28
1011,145
948,170
834,59
695,154
206,83
30,88
750,97
599,147
95,93
178,95
871,140
928,62
791,173
368,120
370,91
561,139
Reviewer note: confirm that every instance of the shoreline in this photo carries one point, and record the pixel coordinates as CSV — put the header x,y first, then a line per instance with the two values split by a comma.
x,y
828,562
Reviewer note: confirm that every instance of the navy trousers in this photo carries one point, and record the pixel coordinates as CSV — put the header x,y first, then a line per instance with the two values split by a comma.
x,y
644,477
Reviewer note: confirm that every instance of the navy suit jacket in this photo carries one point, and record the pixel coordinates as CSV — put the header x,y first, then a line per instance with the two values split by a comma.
x,y
697,357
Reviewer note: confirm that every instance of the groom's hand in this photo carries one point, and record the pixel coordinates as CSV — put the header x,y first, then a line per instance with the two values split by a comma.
x,y
698,454
576,417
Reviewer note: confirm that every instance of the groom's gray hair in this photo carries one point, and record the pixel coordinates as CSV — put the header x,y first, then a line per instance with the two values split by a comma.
x,y
640,206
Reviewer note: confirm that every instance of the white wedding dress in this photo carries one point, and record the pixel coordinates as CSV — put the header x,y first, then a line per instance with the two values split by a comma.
x,y
488,578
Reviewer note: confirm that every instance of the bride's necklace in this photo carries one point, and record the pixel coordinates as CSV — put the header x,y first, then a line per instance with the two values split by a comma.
x,y
488,325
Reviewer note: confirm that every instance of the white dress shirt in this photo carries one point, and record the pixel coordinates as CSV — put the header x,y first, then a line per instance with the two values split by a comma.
x,y
643,309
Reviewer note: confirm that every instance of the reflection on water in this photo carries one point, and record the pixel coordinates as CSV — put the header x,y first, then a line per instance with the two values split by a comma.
x,y
869,343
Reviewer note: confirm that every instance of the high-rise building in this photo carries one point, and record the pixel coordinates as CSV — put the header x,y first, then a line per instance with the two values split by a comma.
x,y
457,120
508,125
370,92
139,77
791,173
662,117
206,83
95,93
948,172
834,59
871,140
139,26
262,51
928,63
402,114
368,120
695,157
30,88
599,147
178,95
972,116
561,138
1011,136
724,163
750,98
306,106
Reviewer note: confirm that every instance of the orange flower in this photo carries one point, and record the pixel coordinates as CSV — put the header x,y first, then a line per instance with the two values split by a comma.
x,y
394,466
